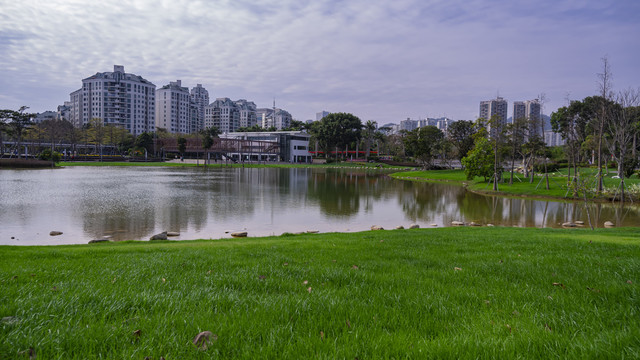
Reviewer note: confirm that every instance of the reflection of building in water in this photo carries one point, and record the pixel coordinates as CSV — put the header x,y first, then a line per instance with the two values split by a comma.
x,y
294,145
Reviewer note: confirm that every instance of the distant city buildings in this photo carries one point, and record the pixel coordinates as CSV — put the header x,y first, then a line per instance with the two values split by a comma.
x,y
117,98
321,114
274,117
531,111
441,123
131,102
46,115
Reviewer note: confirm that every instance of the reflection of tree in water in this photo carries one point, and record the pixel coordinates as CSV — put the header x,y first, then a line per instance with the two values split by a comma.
x,y
420,201
342,193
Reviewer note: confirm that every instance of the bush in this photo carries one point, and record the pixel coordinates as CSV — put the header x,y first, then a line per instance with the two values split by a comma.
x,y
48,156
551,167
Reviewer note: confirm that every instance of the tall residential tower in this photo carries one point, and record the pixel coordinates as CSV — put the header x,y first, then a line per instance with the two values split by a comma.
x,y
117,98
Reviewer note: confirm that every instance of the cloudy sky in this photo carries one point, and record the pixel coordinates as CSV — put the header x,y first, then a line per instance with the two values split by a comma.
x,y
380,60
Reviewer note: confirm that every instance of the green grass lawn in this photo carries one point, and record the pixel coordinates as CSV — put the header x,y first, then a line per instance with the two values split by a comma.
x,y
428,293
522,186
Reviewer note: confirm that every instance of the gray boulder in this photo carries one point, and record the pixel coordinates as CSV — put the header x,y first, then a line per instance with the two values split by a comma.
x,y
161,236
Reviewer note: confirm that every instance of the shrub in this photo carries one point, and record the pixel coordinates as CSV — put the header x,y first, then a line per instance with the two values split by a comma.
x,y
47,155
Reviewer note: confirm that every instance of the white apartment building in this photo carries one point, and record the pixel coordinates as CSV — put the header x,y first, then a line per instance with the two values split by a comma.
x,y
276,117
200,99
530,110
223,114
247,110
117,98
174,109
496,107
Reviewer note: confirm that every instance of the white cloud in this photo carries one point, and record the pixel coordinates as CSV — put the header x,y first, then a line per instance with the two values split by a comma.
x,y
380,61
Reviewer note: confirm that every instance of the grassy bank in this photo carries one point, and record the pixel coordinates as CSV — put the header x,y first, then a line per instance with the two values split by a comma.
x,y
522,186
427,293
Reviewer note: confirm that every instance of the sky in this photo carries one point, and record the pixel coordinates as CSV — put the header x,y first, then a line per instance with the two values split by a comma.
x,y
379,60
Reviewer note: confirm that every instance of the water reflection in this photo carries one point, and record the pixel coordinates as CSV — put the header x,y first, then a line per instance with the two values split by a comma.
x,y
134,203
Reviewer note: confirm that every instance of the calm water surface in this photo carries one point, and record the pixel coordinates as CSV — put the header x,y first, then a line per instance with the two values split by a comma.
x,y
121,203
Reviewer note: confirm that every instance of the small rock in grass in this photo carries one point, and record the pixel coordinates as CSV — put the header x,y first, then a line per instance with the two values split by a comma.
x,y
399,227
161,236
238,234
414,226
9,320
98,241
579,222
473,223
609,224
312,231
457,223
489,225
434,224
204,339
173,233
55,233
377,227
568,224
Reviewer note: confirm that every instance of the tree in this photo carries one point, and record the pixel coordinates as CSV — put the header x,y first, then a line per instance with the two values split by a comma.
x,y
369,132
480,160
460,133
424,144
622,127
182,146
144,141
571,123
207,138
337,130
17,123
96,133
516,134
603,115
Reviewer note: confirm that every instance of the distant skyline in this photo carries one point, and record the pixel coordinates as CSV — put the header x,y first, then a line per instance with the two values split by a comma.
x,y
383,61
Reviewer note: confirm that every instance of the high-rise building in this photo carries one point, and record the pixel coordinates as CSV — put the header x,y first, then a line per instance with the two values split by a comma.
x,y
529,110
174,108
117,98
321,114
275,117
534,115
200,98
64,111
495,110
519,110
223,114
247,111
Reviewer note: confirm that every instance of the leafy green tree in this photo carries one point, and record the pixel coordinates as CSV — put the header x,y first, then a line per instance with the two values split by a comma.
x,y
144,141
182,145
17,122
480,160
337,130
460,134
423,144
97,133
207,138
369,132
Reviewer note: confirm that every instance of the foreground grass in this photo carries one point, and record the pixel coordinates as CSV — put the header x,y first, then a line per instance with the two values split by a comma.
x,y
428,293
521,186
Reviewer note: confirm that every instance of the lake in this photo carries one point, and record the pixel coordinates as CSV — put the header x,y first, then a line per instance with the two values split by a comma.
x,y
123,203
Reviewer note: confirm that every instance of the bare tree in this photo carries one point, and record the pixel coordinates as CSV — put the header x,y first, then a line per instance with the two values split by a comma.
x,y
622,127
604,87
